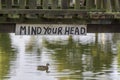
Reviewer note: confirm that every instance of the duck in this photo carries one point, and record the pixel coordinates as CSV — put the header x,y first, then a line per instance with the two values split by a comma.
x,y
43,68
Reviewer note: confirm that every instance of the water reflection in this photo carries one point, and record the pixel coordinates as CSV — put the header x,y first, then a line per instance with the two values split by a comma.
x,y
82,59
6,55
92,57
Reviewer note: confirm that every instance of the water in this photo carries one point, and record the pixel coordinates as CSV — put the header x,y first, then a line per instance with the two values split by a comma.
x,y
91,57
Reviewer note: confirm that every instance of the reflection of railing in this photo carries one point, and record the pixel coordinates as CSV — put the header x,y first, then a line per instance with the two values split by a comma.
x,y
96,9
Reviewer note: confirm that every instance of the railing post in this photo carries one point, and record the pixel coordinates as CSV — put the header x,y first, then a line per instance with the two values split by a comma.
x,y
54,4
32,4
108,6
87,4
65,4
77,4
0,4
15,2
22,4
98,4
45,4
90,4
8,4
39,2
104,4
117,5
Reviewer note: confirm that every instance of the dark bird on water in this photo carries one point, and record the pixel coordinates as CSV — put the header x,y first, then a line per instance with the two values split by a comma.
x,y
44,68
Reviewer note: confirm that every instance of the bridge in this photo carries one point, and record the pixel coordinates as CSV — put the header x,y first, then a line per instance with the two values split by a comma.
x,y
61,11
19,10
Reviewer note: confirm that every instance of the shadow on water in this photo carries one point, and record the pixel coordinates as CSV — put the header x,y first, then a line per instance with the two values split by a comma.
x,y
6,55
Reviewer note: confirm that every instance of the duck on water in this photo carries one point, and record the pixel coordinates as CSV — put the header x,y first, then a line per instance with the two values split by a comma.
x,y
43,68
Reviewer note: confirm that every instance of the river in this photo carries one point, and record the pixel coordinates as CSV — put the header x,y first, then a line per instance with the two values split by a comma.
x,y
94,56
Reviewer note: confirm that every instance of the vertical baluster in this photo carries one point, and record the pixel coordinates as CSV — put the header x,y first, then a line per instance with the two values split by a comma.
x,y
87,4
15,2
112,5
108,5
45,4
59,4
32,4
8,4
98,4
0,4
117,5
104,4
90,4
39,3
65,4
82,3
77,4
54,4
22,4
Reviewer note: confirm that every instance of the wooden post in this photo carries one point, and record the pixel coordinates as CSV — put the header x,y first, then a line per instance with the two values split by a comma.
x,y
41,2
98,4
15,2
104,4
22,4
90,4
45,4
108,5
0,4
83,3
77,4
54,4
65,4
8,4
113,5
87,4
117,5
32,4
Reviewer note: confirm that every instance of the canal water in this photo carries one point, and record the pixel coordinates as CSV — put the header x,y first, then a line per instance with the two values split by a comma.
x,y
95,56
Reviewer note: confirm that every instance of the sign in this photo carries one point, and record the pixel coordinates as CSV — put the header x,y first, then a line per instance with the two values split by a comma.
x,y
50,29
